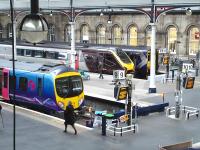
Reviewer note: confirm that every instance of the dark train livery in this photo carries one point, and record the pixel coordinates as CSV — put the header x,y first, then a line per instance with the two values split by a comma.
x,y
134,60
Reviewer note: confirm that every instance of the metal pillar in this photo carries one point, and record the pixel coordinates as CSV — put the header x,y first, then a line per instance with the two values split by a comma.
x,y
152,86
178,97
13,63
14,40
73,52
129,106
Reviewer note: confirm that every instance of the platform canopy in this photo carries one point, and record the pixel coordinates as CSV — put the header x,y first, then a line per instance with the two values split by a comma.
x,y
81,4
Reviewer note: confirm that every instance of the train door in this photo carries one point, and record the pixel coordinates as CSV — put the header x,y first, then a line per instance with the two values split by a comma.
x,y
40,85
1,70
76,62
5,84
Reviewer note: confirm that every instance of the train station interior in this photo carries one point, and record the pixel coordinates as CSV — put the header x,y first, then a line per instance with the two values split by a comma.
x,y
130,70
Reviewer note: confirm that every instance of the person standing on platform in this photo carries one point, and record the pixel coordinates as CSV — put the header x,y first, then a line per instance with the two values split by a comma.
x,y
70,117
100,68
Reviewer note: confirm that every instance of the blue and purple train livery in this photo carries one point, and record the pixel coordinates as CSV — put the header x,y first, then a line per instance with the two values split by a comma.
x,y
50,86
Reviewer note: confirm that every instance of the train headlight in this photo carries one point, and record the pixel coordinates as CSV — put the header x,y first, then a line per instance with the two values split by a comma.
x,y
61,105
80,101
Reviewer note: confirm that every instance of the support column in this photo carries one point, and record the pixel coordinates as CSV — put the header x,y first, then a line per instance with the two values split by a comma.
x,y
152,86
14,36
73,51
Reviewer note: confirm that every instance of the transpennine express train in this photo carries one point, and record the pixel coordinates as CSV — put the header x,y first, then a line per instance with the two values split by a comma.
x,y
47,86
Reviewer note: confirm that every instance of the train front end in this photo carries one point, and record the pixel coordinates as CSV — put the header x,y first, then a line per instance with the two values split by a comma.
x,y
69,87
125,61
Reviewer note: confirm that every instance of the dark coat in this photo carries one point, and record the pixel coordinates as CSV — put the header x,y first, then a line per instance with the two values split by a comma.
x,y
69,115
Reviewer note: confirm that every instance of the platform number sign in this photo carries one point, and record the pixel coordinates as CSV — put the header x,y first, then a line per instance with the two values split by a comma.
x,y
187,67
118,74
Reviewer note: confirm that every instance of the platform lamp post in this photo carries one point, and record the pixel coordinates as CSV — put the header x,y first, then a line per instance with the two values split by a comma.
x,y
13,64
33,29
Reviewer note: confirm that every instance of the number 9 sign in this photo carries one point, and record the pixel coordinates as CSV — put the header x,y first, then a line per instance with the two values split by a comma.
x,y
118,74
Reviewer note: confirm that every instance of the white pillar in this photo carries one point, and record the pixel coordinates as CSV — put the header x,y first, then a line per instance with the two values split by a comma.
x,y
14,36
73,51
152,85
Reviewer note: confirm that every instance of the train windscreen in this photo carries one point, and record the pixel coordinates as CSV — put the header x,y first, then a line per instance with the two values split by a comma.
x,y
69,86
123,56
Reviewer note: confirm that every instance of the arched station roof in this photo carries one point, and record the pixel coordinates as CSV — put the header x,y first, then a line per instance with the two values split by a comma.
x,y
88,4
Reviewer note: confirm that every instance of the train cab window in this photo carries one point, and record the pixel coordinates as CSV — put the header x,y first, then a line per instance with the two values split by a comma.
x,y
5,81
110,63
23,84
39,86
12,82
123,56
69,86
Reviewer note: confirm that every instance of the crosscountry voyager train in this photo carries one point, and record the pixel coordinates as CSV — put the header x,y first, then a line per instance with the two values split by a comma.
x,y
140,55
86,57
46,86
131,59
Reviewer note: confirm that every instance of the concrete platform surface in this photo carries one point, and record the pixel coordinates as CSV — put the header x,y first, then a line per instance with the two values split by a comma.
x,y
39,132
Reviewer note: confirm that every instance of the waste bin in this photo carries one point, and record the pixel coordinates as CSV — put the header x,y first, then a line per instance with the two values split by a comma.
x,y
104,118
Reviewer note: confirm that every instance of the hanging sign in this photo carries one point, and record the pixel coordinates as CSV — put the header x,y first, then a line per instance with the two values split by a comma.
x,y
188,82
122,94
187,67
166,60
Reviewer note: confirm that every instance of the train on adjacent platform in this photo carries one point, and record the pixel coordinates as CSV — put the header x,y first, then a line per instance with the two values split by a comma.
x,y
135,60
50,86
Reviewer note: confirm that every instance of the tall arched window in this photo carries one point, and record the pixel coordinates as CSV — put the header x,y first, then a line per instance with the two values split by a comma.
x,y
67,32
132,35
101,34
193,40
116,35
172,39
1,31
9,30
84,33
51,32
148,36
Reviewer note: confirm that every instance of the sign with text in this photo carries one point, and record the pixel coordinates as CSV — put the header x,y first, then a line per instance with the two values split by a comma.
x,y
187,67
122,94
118,74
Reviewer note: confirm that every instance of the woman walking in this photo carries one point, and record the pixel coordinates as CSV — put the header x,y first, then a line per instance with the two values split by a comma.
x,y
69,116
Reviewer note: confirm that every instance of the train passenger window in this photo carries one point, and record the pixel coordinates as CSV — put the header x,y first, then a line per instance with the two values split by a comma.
x,y
50,55
23,84
39,54
20,52
5,81
28,53
39,86
12,82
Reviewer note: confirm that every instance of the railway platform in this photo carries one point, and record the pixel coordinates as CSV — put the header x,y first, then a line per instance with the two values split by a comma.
x,y
41,132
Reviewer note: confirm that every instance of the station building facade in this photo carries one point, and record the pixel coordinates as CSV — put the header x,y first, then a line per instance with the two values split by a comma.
x,y
176,32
